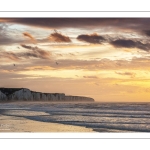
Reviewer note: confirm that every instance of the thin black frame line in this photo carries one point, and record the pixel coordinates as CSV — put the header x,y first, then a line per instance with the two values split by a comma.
x,y
77,138
74,11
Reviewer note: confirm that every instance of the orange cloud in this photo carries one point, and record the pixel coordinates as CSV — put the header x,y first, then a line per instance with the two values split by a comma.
x,y
9,55
58,37
38,52
26,34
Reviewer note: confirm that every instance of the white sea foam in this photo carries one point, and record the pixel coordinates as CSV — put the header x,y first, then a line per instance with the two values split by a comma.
x,y
102,117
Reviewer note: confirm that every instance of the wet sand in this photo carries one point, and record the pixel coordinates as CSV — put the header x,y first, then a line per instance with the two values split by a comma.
x,y
21,124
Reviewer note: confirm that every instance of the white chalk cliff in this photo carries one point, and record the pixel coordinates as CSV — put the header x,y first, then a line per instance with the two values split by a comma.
x,y
2,96
7,94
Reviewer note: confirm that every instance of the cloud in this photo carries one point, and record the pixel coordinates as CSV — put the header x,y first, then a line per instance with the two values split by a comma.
x,y
147,32
91,77
26,46
58,37
37,52
10,74
6,38
104,64
126,74
53,23
96,84
9,55
130,44
109,68
71,54
28,55
39,68
92,38
86,65
17,56
29,35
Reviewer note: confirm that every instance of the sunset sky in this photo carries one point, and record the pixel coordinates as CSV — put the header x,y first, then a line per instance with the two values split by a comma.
x,y
107,59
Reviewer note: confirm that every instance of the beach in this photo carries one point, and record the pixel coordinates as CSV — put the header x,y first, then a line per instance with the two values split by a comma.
x,y
21,124
15,117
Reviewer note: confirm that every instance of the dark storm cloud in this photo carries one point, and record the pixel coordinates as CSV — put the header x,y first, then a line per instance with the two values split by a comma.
x,y
147,32
58,37
116,42
37,52
112,24
123,23
130,44
92,38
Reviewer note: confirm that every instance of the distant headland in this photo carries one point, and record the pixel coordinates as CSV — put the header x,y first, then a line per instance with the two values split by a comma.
x,y
19,94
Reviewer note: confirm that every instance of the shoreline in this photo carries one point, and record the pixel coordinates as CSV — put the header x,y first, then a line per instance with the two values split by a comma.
x,y
16,121
20,124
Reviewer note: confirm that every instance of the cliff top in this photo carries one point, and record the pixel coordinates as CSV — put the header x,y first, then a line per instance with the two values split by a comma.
x,y
8,91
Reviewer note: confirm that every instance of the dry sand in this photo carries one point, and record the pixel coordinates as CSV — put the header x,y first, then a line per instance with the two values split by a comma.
x,y
21,124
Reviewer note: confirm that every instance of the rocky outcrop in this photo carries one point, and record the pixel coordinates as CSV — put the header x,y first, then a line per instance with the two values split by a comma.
x,y
8,94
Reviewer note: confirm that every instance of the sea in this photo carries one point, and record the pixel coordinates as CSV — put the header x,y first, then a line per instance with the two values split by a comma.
x,y
101,117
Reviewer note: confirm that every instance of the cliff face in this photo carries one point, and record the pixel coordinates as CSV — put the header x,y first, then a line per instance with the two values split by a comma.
x,y
7,94
3,96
